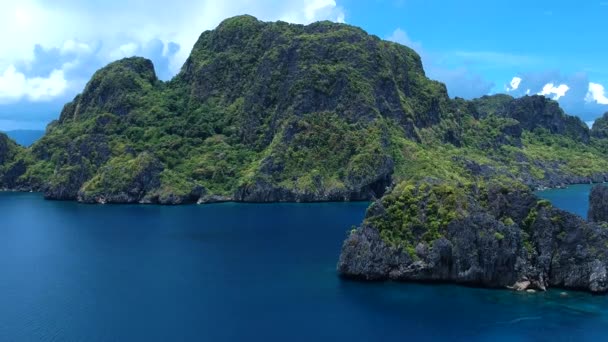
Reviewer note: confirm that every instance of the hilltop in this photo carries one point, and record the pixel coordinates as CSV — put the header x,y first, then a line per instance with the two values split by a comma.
x,y
264,112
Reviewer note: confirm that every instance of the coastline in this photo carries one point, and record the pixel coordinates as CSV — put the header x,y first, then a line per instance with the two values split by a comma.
x,y
292,197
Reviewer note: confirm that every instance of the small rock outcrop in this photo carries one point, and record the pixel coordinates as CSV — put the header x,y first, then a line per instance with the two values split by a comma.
x,y
600,127
124,180
498,236
83,156
598,204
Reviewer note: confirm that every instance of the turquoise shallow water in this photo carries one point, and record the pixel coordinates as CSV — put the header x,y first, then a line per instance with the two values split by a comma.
x,y
233,272
575,198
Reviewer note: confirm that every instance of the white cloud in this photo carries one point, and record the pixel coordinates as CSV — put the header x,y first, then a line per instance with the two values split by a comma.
x,y
577,100
596,94
15,86
105,31
125,50
401,37
515,82
558,91
590,123
75,47
323,8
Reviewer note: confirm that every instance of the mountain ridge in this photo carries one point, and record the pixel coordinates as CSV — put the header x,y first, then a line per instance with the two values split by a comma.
x,y
264,112
24,137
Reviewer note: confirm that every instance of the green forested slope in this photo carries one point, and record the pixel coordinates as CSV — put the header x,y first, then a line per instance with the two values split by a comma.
x,y
281,112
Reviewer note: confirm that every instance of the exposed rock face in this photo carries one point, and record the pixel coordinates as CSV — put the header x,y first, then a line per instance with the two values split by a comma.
x,y
83,156
10,169
308,101
498,238
598,204
129,182
6,148
364,188
116,89
538,111
266,112
553,174
264,192
600,127
10,178
305,75
533,112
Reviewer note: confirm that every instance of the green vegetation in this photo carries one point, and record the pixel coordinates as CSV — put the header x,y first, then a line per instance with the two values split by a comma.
x,y
8,149
412,213
600,127
121,173
507,221
287,109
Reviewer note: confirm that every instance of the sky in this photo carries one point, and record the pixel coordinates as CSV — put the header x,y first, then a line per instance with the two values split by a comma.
x,y
556,48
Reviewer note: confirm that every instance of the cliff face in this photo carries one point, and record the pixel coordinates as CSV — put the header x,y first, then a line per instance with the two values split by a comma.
x,y
10,170
277,70
598,204
533,112
118,88
7,148
494,237
260,112
265,112
600,127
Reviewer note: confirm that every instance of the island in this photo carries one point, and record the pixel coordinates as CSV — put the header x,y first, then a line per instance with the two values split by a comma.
x,y
268,112
278,112
495,235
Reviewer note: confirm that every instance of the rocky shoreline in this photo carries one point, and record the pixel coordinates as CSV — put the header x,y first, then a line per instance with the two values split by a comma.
x,y
504,238
266,194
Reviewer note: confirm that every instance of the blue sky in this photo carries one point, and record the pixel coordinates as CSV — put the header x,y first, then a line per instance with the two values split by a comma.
x,y
556,48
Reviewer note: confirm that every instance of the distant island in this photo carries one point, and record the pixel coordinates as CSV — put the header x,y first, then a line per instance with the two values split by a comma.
x,y
277,112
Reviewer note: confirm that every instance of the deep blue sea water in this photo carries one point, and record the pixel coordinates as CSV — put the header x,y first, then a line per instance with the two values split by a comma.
x,y
235,272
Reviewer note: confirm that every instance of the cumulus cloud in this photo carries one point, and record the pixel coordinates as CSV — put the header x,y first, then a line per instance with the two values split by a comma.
x,y
125,50
514,84
582,98
323,8
75,47
596,94
15,86
551,89
73,38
